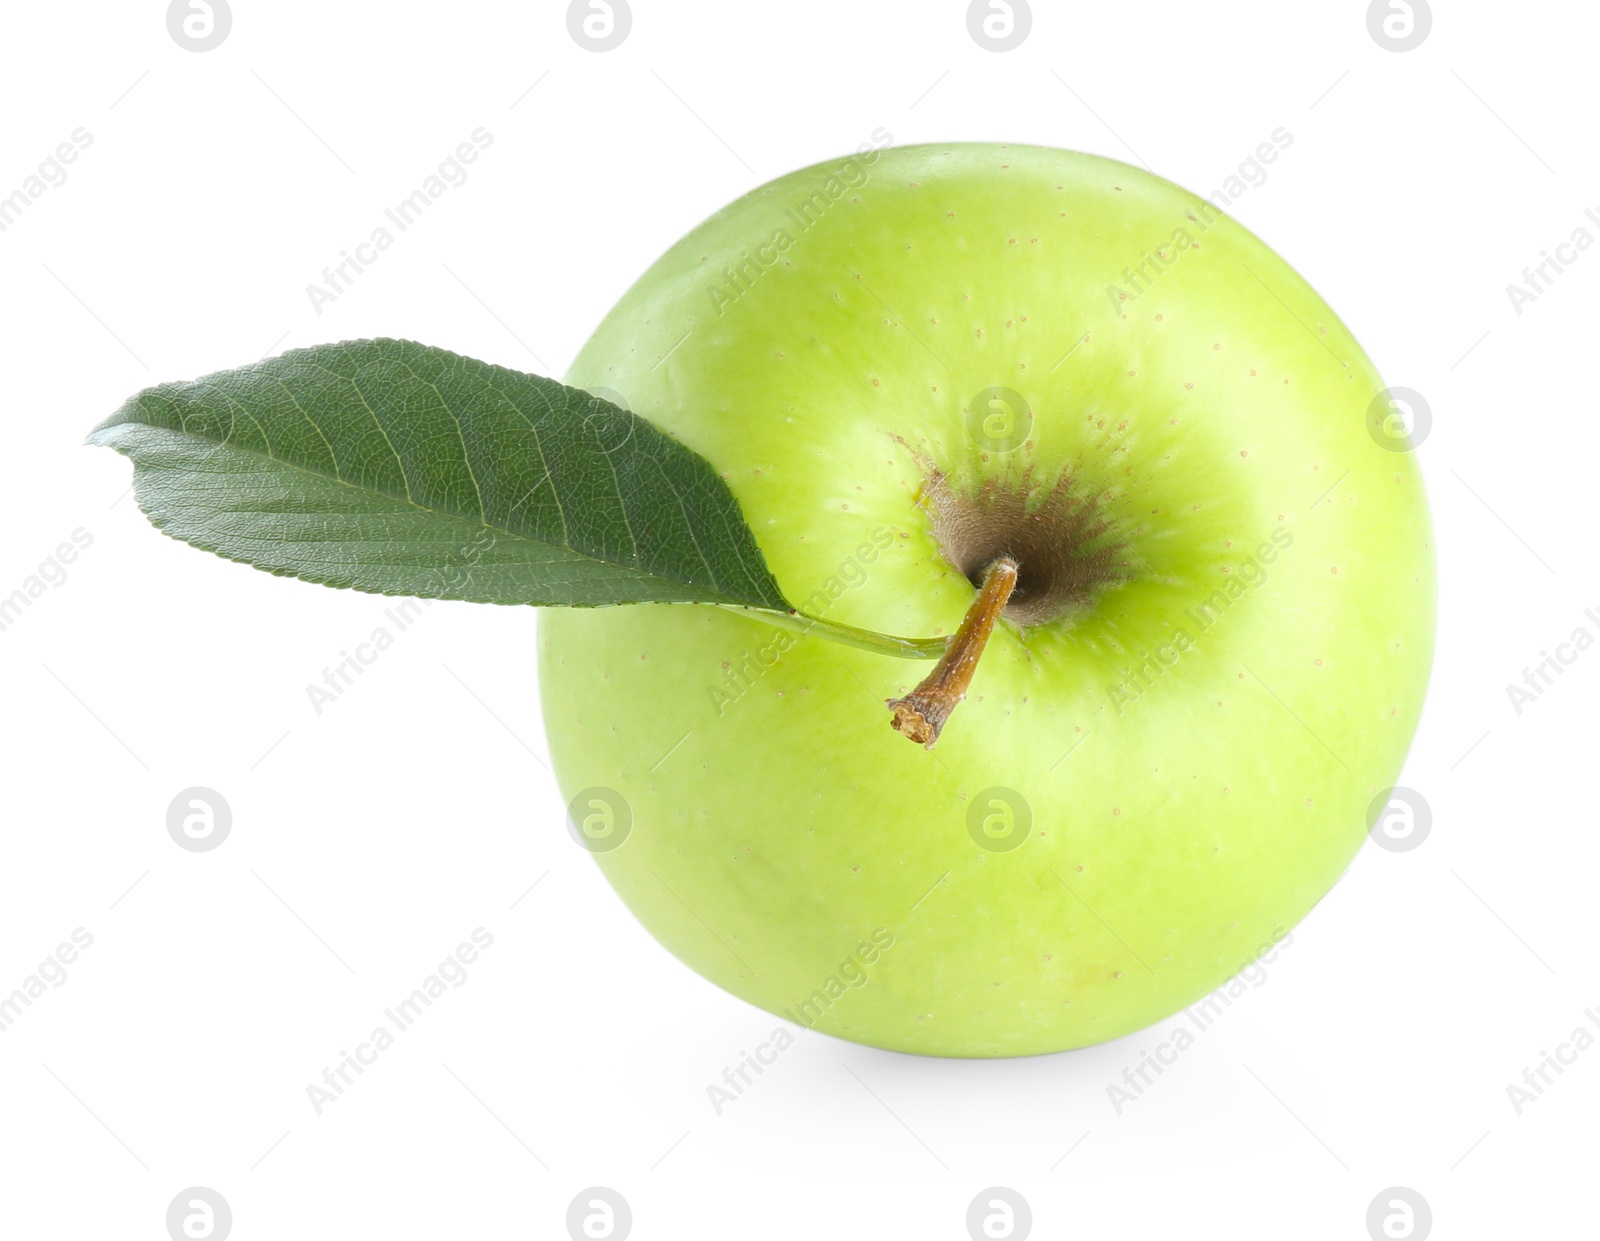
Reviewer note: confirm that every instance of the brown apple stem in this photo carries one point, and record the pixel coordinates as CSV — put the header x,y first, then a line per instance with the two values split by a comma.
x,y
921,714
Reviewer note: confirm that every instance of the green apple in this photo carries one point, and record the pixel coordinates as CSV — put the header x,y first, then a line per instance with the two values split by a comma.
x,y
907,365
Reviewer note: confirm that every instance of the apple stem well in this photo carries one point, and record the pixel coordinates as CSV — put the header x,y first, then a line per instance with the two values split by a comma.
x,y
922,713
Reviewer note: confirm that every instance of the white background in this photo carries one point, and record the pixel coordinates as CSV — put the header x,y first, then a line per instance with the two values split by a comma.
x,y
370,840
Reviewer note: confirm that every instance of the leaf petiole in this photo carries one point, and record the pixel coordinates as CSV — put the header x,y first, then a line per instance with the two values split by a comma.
x,y
848,635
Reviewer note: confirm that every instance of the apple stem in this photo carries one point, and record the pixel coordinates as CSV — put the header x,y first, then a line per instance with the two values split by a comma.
x,y
922,713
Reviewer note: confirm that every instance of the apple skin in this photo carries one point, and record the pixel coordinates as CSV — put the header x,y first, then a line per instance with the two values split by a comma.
x,y
1174,832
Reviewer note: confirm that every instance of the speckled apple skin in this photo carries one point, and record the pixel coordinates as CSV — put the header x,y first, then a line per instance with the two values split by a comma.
x,y
1184,804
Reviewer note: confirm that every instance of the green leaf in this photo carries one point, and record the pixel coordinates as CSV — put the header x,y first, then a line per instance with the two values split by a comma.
x,y
389,466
